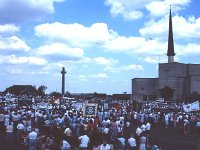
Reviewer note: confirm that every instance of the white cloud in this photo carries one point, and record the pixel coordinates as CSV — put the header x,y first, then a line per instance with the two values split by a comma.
x,y
13,43
133,9
58,0
12,59
112,69
74,34
8,28
14,11
85,60
128,9
153,8
135,45
14,70
178,2
83,77
100,76
159,29
152,60
163,6
132,67
190,48
181,24
122,43
77,35
60,50
155,29
104,61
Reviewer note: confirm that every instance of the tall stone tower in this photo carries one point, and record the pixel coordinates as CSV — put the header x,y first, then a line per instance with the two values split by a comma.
x,y
63,72
170,51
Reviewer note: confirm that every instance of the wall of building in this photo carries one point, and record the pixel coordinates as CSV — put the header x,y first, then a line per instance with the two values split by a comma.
x,y
173,75
144,87
195,84
194,69
168,74
182,90
184,79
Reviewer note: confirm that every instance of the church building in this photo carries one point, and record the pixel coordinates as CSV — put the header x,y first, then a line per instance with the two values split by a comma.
x,y
176,81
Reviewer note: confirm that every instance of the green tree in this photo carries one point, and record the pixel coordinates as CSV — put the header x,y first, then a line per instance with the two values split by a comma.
x,y
41,90
56,94
67,94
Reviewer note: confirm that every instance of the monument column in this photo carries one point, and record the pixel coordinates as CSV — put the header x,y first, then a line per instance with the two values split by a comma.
x,y
63,72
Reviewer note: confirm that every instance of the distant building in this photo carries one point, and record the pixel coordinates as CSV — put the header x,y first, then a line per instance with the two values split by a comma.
x,y
175,82
121,96
21,90
88,96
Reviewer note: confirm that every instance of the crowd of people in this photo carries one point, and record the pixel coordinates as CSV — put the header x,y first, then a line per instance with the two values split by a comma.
x,y
64,128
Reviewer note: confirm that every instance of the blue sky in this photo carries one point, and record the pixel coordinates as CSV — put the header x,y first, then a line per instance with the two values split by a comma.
x,y
103,44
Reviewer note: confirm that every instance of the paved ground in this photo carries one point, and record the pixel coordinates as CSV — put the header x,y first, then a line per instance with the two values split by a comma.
x,y
5,146
173,138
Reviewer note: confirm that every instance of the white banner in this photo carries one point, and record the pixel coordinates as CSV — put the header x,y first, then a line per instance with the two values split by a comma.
x,y
79,106
191,107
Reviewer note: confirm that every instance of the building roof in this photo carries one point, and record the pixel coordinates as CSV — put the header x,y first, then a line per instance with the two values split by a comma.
x,y
21,90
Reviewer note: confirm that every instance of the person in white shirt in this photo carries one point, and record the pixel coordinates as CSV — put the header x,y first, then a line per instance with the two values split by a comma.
x,y
6,119
20,130
121,142
9,132
143,128
148,128
15,119
142,145
104,146
106,122
84,141
166,121
20,126
131,143
138,131
65,145
32,137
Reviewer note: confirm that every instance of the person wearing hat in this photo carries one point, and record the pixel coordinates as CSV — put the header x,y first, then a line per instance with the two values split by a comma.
x,y
68,132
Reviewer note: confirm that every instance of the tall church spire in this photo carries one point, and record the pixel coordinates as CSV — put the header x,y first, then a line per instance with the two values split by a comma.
x,y
170,51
